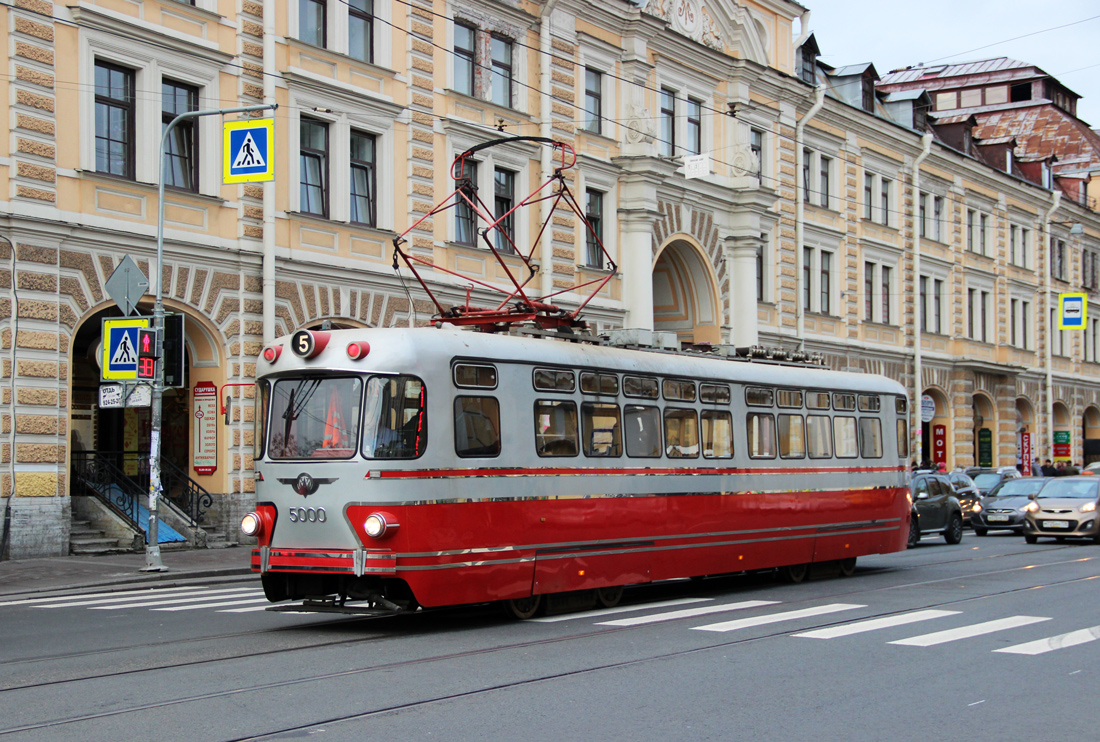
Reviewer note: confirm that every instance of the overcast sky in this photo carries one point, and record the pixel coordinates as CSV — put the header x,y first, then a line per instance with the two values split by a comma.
x,y
892,34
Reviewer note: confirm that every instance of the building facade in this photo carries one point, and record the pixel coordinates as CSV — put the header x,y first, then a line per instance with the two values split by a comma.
x,y
819,214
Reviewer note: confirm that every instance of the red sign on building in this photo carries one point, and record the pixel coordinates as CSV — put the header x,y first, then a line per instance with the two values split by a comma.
x,y
939,444
1025,453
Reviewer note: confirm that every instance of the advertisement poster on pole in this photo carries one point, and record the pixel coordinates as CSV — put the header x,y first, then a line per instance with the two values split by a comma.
x,y
205,410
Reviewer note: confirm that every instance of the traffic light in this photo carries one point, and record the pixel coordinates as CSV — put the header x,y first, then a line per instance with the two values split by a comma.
x,y
148,352
174,356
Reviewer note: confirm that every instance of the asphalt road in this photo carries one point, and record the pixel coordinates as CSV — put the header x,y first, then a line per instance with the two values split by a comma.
x,y
990,639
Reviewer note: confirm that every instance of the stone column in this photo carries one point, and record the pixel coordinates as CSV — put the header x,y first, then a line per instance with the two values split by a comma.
x,y
636,235
741,260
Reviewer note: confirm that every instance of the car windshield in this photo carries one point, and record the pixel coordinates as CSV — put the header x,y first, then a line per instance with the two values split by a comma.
x,y
985,481
961,480
1074,488
1018,487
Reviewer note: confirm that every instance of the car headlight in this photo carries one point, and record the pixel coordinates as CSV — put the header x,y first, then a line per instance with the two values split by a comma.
x,y
1031,507
378,525
251,524
977,507
1088,507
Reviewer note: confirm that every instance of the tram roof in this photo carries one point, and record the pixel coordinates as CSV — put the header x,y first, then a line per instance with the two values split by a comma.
x,y
393,349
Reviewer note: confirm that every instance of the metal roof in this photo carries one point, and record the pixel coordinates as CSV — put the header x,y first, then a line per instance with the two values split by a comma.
x,y
921,72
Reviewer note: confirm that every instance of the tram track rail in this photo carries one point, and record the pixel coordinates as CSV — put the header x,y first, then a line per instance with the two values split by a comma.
x,y
390,667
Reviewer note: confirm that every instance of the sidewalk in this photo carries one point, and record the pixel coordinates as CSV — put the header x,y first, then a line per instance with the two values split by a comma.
x,y
28,576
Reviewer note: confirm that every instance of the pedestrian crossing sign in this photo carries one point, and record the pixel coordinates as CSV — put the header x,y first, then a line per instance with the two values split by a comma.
x,y
248,151
119,354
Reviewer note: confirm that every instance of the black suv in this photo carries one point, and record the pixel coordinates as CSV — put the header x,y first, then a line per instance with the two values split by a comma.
x,y
936,508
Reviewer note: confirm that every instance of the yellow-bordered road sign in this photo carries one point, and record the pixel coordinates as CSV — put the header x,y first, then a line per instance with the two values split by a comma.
x,y
248,151
119,356
1072,311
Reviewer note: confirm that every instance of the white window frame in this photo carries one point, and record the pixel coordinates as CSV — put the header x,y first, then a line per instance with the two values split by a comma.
x,y
600,176
1022,332
198,66
506,26
601,58
342,114
814,165
1057,336
815,279
934,273
983,290
889,218
337,29
880,259
683,88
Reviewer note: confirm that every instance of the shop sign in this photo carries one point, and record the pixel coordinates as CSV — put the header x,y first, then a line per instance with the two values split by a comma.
x,y
205,411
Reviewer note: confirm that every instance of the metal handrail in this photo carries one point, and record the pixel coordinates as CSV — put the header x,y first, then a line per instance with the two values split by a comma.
x,y
186,496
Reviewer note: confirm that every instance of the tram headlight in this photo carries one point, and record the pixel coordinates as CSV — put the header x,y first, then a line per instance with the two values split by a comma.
x,y
252,524
378,525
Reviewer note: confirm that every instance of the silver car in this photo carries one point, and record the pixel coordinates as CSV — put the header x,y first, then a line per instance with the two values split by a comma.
x,y
1064,508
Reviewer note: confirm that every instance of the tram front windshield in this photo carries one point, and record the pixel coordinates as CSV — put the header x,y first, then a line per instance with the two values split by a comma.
x,y
315,418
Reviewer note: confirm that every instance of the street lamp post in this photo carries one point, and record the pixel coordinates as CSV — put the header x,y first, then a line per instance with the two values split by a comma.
x,y
152,542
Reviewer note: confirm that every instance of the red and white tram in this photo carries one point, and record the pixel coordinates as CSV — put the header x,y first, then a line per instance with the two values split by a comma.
x,y
405,467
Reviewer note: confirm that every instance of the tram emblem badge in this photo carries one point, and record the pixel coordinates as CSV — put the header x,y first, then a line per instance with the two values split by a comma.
x,y
305,485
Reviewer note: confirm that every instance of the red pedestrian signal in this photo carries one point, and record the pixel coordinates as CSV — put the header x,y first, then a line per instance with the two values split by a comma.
x,y
147,343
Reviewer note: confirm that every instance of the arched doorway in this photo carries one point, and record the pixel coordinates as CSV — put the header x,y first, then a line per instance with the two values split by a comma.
x,y
985,427
1090,434
685,294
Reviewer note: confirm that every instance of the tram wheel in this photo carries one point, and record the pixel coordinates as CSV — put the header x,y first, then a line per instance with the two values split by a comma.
x,y
522,608
794,573
847,566
609,597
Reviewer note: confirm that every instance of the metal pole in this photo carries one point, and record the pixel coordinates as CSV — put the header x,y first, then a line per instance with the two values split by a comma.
x,y
152,543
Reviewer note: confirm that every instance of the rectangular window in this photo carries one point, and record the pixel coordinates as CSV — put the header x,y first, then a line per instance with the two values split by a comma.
x,y
1014,244
395,418
717,434
554,380
114,120
593,100
885,197
714,393
555,428
314,167
887,275
676,390
868,196
465,216
843,401
315,418
844,437
181,150
667,145
937,306
760,272
362,178
1058,259
756,146
471,376
869,292
760,431
759,396
937,218
694,130
823,186
465,58
807,277
970,217
817,400
644,387
870,438
1012,326
792,437
477,426
642,430
593,383
903,438
681,434
819,436
1025,247
593,212
922,219
361,29
789,398
826,281
312,21
504,199
600,424
500,52
807,155
983,223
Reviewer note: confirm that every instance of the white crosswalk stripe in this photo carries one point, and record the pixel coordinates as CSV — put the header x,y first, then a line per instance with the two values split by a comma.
x,y
687,613
131,601
620,609
966,632
219,604
1042,646
240,593
875,624
125,594
744,623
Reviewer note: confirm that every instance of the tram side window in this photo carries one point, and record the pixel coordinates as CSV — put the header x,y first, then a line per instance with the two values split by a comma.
x,y
760,428
844,437
554,380
593,383
817,400
315,418
555,428
395,423
602,428
681,434
844,402
789,398
643,387
477,426
759,397
717,434
263,395
792,437
679,391
716,393
819,432
870,403
475,376
642,430
903,438
870,438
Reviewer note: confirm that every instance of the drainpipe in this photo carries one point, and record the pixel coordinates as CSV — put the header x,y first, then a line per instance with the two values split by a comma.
x,y
269,188
918,391
1046,318
799,216
546,248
